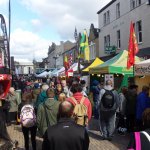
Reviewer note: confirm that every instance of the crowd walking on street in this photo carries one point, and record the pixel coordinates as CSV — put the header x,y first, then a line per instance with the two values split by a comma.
x,y
59,111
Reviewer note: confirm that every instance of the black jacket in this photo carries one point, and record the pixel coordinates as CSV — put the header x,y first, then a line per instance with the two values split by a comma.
x,y
66,135
145,144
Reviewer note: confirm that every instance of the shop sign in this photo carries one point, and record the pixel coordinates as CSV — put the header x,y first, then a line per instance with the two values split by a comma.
x,y
142,70
110,49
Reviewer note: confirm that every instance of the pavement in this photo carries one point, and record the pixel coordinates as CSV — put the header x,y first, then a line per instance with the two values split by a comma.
x,y
96,143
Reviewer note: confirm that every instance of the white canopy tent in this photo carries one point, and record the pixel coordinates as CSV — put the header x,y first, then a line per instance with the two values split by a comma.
x,y
142,68
73,67
43,74
58,71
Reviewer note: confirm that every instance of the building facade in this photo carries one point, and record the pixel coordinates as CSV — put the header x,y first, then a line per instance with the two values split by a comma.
x,y
93,42
51,54
24,68
114,23
55,54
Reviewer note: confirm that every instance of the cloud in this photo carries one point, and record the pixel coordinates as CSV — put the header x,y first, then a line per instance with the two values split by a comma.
x,y
3,2
26,45
64,15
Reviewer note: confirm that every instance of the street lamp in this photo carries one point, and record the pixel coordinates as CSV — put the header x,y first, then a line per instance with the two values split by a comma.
x,y
55,57
77,39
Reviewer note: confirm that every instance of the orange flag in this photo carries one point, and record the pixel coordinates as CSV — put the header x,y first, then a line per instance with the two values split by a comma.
x,y
132,47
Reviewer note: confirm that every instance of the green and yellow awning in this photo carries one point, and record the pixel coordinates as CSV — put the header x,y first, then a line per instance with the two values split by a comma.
x,y
95,63
117,64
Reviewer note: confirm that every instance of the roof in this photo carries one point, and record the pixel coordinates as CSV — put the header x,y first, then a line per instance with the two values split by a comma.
x,y
144,52
106,6
117,64
96,62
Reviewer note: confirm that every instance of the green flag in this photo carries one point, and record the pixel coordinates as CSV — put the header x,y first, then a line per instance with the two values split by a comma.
x,y
84,47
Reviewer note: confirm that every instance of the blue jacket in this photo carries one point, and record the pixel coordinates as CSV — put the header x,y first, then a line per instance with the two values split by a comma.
x,y
96,91
143,102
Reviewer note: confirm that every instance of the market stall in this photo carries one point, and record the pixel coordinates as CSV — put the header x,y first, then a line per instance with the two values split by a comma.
x,y
142,68
56,74
73,68
142,73
95,63
117,64
44,74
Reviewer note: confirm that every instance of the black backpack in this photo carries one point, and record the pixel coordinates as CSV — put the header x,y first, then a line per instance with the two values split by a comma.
x,y
108,99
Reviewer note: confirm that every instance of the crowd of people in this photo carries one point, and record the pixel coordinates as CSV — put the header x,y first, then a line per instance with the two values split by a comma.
x,y
60,109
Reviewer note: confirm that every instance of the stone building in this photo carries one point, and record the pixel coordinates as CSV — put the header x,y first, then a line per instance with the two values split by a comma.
x,y
55,54
114,23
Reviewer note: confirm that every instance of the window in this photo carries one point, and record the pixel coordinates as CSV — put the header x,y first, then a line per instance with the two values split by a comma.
x,y
92,50
138,2
139,31
106,18
118,10
106,41
132,4
118,39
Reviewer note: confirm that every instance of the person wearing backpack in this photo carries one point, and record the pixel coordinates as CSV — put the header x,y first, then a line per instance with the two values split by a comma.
x,y
108,104
27,116
141,140
82,105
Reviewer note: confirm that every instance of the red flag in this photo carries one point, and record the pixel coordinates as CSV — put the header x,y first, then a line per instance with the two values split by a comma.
x,y
132,47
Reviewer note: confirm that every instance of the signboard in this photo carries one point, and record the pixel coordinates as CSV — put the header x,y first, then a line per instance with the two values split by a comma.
x,y
140,70
110,49
109,77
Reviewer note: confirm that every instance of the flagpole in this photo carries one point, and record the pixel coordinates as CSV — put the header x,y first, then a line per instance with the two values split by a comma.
x,y
9,10
77,39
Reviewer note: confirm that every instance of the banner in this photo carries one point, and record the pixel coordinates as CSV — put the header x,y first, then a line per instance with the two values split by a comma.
x,y
141,70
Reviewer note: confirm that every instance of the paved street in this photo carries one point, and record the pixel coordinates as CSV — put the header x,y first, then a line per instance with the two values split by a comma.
x,y
96,143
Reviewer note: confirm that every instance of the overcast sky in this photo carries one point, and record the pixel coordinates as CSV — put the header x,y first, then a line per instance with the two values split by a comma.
x,y
37,23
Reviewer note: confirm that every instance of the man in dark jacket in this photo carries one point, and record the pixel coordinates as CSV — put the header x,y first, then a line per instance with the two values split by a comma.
x,y
66,134
96,90
131,107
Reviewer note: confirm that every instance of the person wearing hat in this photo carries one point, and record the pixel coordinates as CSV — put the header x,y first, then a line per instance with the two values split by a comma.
x,y
47,112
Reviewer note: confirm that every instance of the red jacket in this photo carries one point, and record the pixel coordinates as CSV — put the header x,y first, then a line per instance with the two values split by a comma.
x,y
78,96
